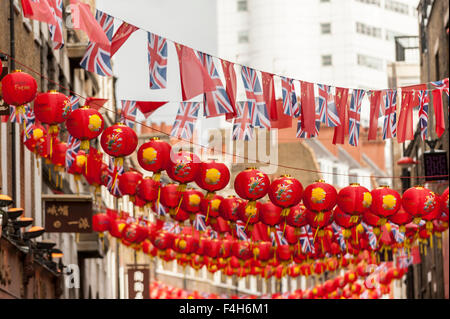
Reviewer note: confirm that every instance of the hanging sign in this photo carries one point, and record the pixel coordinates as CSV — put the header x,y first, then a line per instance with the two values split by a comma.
x,y
435,163
68,213
138,283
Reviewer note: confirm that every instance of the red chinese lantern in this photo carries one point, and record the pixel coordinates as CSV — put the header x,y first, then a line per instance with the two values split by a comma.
x,y
306,269
354,199
418,201
78,166
262,251
283,253
297,217
85,124
401,218
36,135
93,171
270,215
191,201
18,88
52,108
249,214
118,141
153,156
385,202
345,220
285,192
148,189
170,197
319,198
229,208
212,176
183,167
209,206
101,222
242,250
251,184
58,157
128,182
444,201
350,277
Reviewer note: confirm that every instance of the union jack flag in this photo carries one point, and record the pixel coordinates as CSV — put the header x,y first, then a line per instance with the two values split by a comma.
x,y
371,236
172,227
73,146
74,102
128,112
240,232
398,235
423,113
390,114
56,31
354,114
199,222
29,120
114,171
278,237
254,92
18,115
213,234
97,58
242,126
215,103
157,61
327,108
306,239
160,210
290,102
339,235
185,121
441,85
301,133
403,261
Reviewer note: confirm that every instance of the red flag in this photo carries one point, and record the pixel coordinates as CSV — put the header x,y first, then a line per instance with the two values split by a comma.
x,y
415,89
147,108
122,34
405,129
308,106
438,111
38,10
375,106
269,95
341,101
283,120
95,103
195,79
230,78
84,20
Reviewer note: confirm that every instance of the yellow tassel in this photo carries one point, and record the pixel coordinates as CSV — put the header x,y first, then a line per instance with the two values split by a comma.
x,y
284,227
179,204
314,239
431,241
207,212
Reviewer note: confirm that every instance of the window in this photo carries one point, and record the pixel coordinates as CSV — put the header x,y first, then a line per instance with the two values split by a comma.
x,y
374,2
325,28
242,5
326,60
396,6
370,62
368,30
243,37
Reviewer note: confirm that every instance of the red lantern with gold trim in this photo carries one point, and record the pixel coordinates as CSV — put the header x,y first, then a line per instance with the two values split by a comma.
x,y
346,221
58,157
385,202
418,201
354,199
319,198
270,215
297,217
170,197
249,214
18,88
153,156
147,189
285,192
118,140
209,206
101,222
251,184
52,108
93,171
85,124
36,135
191,199
229,208
183,167
128,182
444,201
212,176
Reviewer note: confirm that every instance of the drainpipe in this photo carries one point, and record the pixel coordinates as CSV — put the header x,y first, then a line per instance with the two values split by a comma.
x,y
12,53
